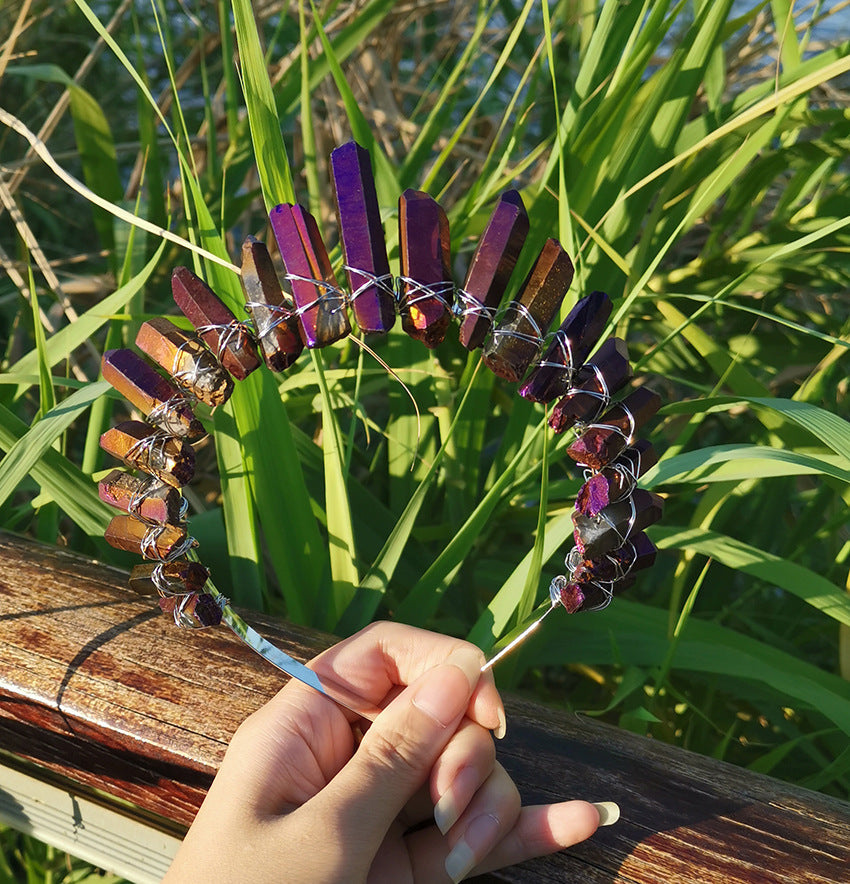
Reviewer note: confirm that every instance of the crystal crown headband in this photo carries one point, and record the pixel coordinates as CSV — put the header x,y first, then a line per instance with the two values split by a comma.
x,y
610,512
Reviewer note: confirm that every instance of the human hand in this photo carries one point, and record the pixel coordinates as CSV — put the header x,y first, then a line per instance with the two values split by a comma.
x,y
298,800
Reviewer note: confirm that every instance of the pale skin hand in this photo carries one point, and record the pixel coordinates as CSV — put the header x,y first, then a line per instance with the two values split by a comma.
x,y
298,800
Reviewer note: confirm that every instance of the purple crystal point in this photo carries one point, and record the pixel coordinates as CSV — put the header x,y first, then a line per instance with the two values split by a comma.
x,y
187,359
615,524
362,238
426,278
624,471
602,578
146,389
199,609
321,304
491,267
215,323
273,314
600,443
177,578
515,343
617,480
570,346
144,495
593,385
154,452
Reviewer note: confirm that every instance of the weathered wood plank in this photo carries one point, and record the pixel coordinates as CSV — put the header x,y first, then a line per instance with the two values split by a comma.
x,y
100,690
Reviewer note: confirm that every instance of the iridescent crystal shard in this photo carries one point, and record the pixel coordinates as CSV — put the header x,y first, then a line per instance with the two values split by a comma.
x,y
157,398
636,554
193,609
570,346
151,541
321,304
222,332
145,496
593,385
615,524
274,314
191,365
490,268
600,579
425,285
171,578
617,479
362,238
601,442
516,341
142,446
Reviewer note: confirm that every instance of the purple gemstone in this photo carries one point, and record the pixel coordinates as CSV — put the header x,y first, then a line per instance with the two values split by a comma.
x,y
592,386
571,597
491,267
273,314
593,495
517,340
425,285
227,338
321,304
615,524
600,443
362,238
570,346
155,396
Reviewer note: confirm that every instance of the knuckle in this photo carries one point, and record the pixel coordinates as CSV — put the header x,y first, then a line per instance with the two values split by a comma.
x,y
393,753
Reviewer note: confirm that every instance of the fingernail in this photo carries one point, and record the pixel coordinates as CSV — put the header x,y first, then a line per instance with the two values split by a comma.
x,y
502,729
608,811
455,799
477,841
446,811
468,660
439,699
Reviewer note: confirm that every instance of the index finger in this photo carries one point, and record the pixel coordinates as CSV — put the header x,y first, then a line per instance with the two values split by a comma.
x,y
382,659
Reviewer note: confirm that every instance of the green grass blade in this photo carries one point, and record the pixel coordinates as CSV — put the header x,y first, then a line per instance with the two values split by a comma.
x,y
802,582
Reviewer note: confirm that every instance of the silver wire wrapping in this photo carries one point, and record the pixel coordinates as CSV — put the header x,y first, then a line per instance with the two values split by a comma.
x,y
405,286
226,334
536,337
339,297
385,283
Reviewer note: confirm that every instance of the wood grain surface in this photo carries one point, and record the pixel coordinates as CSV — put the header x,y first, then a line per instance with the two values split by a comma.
x,y
100,691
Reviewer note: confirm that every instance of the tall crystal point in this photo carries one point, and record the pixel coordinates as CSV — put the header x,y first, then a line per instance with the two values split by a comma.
x,y
223,334
570,346
617,479
616,523
151,541
362,238
321,304
601,442
274,314
592,386
142,446
178,577
516,341
144,388
191,365
491,267
145,496
426,279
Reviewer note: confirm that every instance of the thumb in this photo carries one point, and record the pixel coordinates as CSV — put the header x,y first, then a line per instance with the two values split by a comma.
x,y
399,749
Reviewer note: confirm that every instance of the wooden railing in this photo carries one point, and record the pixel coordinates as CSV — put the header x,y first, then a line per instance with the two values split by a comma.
x,y
112,724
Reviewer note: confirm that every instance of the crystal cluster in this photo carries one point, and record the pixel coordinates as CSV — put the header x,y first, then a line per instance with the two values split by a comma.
x,y
305,306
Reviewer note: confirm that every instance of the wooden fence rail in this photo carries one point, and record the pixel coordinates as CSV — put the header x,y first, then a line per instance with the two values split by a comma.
x,y
112,724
